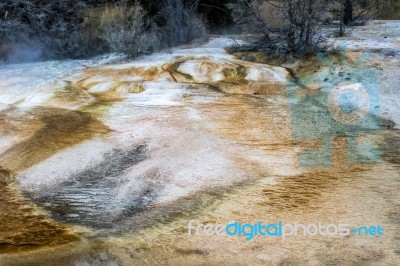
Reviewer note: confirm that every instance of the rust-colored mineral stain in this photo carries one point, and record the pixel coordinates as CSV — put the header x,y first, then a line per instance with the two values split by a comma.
x,y
21,225
147,74
59,130
95,103
51,130
235,74
176,75
253,88
72,94
303,190
103,101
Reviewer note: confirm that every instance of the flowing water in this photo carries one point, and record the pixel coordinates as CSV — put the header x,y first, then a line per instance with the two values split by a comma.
x,y
111,165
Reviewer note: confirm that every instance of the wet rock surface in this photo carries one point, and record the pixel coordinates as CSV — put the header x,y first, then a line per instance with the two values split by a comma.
x,y
88,199
132,152
22,224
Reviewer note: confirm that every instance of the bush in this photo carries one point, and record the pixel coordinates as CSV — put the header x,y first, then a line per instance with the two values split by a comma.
x,y
52,26
127,28
181,22
287,27
82,28
122,28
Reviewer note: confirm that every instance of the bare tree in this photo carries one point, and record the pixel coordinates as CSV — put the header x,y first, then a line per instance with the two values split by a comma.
x,y
347,6
289,27
180,22
350,13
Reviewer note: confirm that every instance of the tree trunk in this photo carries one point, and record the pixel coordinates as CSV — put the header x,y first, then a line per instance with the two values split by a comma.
x,y
348,12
